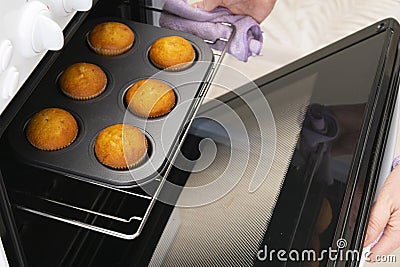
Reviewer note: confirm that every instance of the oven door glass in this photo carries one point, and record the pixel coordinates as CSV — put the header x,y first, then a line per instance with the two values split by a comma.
x,y
273,163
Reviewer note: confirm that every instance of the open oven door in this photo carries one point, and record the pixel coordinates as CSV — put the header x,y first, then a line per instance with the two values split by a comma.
x,y
332,112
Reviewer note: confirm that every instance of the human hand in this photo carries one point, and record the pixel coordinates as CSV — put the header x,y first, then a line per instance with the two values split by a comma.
x,y
386,215
258,9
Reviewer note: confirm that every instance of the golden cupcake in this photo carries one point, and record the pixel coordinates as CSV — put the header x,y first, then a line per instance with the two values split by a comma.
x,y
121,146
52,129
324,218
172,53
150,98
83,81
111,38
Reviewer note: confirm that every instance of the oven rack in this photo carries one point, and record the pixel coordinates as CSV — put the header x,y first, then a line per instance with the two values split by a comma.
x,y
111,219
125,226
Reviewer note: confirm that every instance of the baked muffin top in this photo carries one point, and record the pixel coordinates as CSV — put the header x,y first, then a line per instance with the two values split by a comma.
x,y
150,98
83,81
121,146
170,51
111,38
52,129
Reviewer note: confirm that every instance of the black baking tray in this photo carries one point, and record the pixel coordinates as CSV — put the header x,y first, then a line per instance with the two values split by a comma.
x,y
164,134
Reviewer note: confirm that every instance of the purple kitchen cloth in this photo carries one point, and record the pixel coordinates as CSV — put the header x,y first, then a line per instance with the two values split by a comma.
x,y
320,126
181,16
396,162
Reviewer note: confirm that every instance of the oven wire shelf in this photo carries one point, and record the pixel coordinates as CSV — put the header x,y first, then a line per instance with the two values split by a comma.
x,y
110,222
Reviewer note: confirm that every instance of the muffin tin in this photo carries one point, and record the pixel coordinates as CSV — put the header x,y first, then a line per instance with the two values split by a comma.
x,y
164,133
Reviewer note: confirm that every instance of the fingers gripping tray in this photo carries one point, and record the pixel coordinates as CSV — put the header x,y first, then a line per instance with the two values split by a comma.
x,y
163,133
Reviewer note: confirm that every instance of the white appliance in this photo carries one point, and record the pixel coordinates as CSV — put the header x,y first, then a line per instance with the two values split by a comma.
x,y
28,29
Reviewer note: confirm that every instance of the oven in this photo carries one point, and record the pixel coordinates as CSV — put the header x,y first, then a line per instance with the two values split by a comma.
x,y
287,162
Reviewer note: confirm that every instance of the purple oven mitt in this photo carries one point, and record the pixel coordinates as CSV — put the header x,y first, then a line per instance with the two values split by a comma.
x,y
181,16
320,126
319,130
